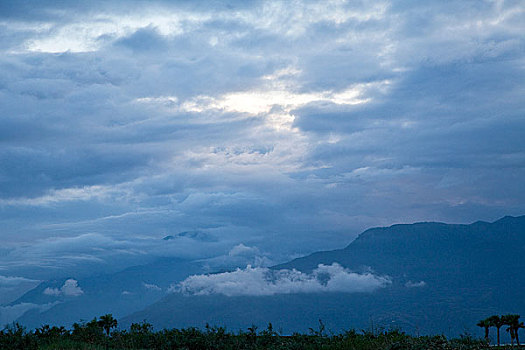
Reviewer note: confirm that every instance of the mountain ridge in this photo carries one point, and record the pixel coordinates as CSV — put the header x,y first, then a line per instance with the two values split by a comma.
x,y
445,277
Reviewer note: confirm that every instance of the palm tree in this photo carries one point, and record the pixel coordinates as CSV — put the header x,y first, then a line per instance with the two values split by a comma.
x,y
519,325
513,321
512,336
486,323
497,322
107,322
515,327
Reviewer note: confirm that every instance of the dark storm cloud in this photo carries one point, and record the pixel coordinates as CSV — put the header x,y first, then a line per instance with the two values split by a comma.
x,y
282,126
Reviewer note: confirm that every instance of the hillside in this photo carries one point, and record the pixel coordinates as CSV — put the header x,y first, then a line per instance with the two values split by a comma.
x,y
444,278
119,293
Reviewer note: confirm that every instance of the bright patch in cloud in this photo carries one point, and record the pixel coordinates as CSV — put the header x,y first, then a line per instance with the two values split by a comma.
x,y
63,195
262,101
85,36
287,19
275,102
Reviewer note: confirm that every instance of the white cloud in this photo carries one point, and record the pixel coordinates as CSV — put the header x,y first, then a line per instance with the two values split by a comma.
x,y
294,18
84,36
260,281
151,286
289,19
70,288
10,281
411,284
54,196
263,100
242,250
52,291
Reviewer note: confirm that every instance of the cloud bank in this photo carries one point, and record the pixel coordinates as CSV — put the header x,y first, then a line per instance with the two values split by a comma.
x,y
259,281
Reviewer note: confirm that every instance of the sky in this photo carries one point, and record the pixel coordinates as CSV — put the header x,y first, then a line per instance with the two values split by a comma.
x,y
250,131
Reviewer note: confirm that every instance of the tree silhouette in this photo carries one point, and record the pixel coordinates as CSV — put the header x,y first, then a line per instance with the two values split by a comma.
x,y
512,336
141,328
107,322
514,325
517,327
486,324
497,322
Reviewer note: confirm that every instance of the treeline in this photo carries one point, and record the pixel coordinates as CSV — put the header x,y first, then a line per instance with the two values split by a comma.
x,y
102,333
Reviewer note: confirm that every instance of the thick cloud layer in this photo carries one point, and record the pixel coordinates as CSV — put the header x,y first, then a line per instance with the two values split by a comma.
x,y
286,126
261,281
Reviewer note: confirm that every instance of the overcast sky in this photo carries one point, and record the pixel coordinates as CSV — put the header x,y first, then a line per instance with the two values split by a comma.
x,y
265,129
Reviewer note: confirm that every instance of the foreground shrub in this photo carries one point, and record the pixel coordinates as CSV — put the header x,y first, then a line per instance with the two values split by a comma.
x,y
95,335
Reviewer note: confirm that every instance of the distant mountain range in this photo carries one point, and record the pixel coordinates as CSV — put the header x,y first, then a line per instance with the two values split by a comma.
x,y
444,279
425,278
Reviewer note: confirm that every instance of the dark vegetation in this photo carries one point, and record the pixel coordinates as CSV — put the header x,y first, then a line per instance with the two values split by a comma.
x,y
102,334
